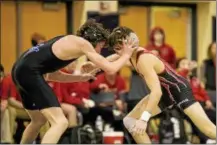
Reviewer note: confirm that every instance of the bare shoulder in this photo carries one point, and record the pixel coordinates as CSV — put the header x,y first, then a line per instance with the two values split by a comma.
x,y
148,59
76,39
81,42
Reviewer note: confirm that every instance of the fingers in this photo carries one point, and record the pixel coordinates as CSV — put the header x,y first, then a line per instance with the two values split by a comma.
x,y
91,77
95,71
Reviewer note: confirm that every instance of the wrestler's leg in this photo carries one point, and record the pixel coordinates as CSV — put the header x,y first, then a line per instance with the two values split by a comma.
x,y
134,115
71,113
58,122
33,128
196,113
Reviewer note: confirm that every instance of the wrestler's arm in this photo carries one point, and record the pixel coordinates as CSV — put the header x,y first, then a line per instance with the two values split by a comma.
x,y
151,78
101,62
114,57
92,66
60,76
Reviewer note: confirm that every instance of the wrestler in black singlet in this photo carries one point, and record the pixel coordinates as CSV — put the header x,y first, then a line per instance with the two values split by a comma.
x,y
176,89
28,74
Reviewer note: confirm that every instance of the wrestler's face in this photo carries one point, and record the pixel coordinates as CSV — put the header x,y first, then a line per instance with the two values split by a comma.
x,y
118,49
99,46
184,64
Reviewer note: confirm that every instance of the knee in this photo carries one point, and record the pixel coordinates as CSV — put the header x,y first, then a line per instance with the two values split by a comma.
x,y
72,110
61,122
39,122
68,109
129,122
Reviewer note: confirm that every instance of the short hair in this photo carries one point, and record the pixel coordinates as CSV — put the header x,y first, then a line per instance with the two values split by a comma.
x,y
36,37
118,34
93,32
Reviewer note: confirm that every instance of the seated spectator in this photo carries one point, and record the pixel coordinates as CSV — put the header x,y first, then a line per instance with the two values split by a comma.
x,y
6,135
208,73
184,68
110,83
75,93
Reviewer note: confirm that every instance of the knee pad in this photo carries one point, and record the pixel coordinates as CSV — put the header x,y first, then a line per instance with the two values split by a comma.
x,y
129,123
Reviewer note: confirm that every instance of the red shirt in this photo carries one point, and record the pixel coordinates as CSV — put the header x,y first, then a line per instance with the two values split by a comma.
x,y
199,92
5,87
56,87
117,87
73,93
14,93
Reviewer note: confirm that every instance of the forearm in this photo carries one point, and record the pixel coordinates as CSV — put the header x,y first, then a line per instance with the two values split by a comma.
x,y
153,100
117,65
112,57
63,77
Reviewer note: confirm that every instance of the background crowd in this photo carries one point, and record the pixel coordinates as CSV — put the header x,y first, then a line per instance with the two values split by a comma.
x,y
101,104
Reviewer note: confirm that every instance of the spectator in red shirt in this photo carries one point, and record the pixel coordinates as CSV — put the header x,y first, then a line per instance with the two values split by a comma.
x,y
159,46
184,68
106,83
6,135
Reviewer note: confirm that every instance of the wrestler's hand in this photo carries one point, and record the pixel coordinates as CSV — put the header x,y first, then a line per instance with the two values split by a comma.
x,y
88,67
128,47
139,127
86,77
89,76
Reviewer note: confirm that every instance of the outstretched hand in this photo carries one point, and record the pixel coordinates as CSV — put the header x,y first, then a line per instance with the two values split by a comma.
x,y
89,76
128,47
89,67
